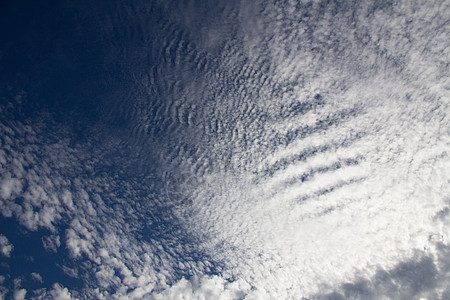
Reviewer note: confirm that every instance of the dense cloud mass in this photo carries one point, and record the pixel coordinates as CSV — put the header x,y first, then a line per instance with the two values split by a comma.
x,y
225,150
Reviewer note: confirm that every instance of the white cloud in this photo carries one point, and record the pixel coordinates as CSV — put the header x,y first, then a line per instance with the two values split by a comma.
x,y
39,206
37,277
421,277
20,294
72,272
57,292
9,187
60,293
270,232
339,222
210,287
5,246
51,243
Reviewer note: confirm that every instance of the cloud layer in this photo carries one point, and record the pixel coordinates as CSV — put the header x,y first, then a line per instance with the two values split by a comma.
x,y
275,150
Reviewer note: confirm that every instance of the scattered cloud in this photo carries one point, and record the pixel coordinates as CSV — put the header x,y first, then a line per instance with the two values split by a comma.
x,y
37,277
320,167
20,294
5,246
51,243
57,292
206,287
3,290
60,293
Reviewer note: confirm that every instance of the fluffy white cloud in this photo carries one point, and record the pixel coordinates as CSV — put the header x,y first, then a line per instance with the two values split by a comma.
x,y
5,246
20,294
209,287
60,293
57,292
10,187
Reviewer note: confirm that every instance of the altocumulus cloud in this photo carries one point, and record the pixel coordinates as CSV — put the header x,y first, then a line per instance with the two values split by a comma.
x,y
318,170
337,179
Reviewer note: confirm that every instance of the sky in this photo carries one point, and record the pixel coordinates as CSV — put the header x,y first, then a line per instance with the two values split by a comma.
x,y
224,150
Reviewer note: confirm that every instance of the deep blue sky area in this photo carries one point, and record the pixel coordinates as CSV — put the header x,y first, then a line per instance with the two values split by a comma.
x,y
53,50
69,66
53,54
30,257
